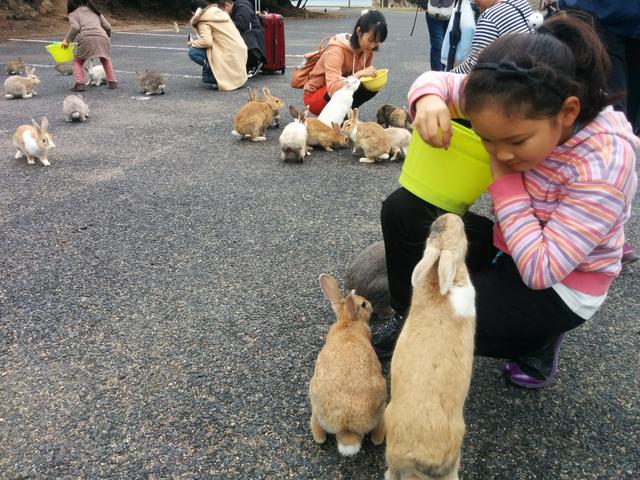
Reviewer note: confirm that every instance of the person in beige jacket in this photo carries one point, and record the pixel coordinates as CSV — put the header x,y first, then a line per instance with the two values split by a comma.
x,y
219,47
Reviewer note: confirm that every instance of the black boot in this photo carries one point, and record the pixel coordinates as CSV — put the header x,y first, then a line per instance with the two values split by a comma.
x,y
385,335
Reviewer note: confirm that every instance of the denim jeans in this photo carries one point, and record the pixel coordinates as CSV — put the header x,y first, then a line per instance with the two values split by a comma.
x,y
437,29
198,55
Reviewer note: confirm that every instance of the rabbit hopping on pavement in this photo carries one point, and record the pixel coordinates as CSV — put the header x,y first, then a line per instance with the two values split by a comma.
x,y
34,141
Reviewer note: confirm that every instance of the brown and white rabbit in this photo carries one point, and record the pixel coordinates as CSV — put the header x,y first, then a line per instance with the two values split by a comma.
x,y
367,274
15,66
324,136
21,87
74,107
64,69
368,137
254,97
392,116
151,83
347,391
399,139
253,118
34,141
432,363
293,139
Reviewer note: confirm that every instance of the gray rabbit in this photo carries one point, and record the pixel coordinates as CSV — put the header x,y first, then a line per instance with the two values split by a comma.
x,y
367,275
74,107
151,83
64,68
14,66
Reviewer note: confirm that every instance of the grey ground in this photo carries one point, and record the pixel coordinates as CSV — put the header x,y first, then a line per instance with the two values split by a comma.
x,y
160,313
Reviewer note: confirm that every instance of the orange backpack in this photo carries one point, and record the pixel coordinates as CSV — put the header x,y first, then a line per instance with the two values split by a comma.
x,y
300,74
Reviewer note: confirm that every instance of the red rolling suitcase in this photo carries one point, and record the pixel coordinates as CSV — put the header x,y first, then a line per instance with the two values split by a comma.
x,y
274,39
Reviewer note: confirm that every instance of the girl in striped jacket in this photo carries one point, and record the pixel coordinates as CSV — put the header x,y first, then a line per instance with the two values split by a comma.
x,y
563,168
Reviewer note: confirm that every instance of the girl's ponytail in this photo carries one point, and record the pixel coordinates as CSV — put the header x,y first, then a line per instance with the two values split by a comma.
x,y
533,74
577,31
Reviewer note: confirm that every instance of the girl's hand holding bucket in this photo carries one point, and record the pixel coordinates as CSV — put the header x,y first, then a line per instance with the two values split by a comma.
x,y
65,43
432,116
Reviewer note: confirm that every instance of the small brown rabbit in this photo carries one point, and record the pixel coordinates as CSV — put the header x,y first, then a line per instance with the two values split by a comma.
x,y
64,69
253,118
14,66
368,137
392,116
347,391
432,362
151,83
21,87
254,97
34,142
326,137
399,139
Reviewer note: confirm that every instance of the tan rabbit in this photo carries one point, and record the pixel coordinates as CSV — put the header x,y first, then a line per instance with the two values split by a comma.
x,y
64,69
14,66
347,391
368,137
399,139
21,87
253,118
254,97
326,137
432,362
34,142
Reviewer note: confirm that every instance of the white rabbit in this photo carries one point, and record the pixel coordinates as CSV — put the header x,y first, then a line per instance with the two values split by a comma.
x,y
293,139
75,108
340,104
34,142
432,362
21,87
95,74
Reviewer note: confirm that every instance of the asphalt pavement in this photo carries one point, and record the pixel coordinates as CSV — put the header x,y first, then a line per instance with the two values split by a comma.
x,y
160,312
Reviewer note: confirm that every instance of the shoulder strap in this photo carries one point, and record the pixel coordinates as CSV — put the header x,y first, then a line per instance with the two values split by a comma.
x,y
526,22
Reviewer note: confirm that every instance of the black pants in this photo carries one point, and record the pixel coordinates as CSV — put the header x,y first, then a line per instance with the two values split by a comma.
x,y
360,96
512,319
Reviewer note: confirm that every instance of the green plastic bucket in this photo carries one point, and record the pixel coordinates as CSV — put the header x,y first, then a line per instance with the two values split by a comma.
x,y
59,54
451,179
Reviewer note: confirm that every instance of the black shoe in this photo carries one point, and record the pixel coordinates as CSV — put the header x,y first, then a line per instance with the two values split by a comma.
x,y
253,71
537,370
207,75
385,335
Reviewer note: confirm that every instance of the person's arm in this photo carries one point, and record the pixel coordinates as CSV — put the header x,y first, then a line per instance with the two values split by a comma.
x,y
74,29
105,25
546,252
241,16
333,60
486,33
205,39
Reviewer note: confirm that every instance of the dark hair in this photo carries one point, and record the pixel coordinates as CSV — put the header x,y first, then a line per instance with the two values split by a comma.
x,y
533,74
74,4
372,21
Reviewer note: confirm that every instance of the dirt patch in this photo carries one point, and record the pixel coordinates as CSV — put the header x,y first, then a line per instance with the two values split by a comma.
x,y
55,21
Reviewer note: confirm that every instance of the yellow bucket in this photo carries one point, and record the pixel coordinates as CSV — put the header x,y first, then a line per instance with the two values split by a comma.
x,y
377,83
59,54
451,179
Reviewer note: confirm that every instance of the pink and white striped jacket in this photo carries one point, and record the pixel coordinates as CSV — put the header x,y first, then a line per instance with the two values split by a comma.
x,y
561,221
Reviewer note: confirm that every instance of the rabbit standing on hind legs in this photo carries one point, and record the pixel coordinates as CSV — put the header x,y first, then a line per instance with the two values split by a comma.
x,y
432,362
347,391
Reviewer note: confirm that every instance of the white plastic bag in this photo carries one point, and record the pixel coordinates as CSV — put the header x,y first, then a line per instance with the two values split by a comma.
x,y
467,29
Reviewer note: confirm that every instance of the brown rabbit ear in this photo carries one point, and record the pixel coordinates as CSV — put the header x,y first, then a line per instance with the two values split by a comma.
x,y
44,123
447,270
335,126
266,92
355,114
350,305
331,290
428,260
35,124
294,113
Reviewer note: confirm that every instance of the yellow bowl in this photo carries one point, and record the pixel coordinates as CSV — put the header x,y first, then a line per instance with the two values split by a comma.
x,y
59,54
373,84
451,179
